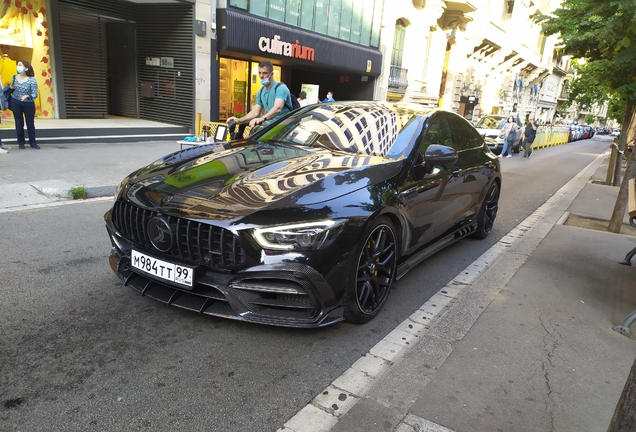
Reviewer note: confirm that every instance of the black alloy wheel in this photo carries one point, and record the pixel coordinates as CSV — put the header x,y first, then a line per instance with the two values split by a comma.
x,y
487,212
374,272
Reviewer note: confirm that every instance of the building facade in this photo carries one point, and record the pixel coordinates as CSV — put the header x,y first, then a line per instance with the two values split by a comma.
x,y
316,46
473,57
172,60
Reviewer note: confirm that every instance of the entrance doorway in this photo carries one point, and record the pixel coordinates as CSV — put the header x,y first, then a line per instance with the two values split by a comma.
x,y
121,80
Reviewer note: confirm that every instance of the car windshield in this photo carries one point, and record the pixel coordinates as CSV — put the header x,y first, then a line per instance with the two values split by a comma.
x,y
370,129
491,123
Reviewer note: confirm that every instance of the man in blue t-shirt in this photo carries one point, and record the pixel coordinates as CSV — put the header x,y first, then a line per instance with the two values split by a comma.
x,y
272,101
329,98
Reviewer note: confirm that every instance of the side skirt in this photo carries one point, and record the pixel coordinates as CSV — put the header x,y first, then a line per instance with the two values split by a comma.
x,y
420,256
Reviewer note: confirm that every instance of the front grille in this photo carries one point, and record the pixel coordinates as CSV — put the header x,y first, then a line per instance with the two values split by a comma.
x,y
196,243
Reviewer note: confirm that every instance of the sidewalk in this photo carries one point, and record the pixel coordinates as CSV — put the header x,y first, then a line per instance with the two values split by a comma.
x,y
50,174
524,345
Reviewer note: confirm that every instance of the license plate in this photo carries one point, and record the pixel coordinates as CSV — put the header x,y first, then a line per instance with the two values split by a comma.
x,y
162,269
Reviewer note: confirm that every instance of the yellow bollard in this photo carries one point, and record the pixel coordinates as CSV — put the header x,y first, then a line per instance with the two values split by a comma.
x,y
198,125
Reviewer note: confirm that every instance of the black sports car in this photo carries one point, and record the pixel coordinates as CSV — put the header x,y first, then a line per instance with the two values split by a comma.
x,y
310,220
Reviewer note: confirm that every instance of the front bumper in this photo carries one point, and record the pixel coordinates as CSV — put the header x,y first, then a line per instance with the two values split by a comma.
x,y
284,294
495,147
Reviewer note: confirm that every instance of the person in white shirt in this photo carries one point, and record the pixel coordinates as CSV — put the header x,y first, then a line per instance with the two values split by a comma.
x,y
302,98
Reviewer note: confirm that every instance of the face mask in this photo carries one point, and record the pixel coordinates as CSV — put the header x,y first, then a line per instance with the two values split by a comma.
x,y
265,81
509,120
20,69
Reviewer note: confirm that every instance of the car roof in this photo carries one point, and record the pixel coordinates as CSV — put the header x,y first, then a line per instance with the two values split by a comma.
x,y
499,116
398,107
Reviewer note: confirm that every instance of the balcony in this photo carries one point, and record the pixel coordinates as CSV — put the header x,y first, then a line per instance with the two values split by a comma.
x,y
398,81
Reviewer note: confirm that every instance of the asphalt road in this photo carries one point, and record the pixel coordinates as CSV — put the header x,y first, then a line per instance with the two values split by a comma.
x,y
79,351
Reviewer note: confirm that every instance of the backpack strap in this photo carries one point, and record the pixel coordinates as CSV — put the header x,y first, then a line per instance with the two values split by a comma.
x,y
260,96
291,108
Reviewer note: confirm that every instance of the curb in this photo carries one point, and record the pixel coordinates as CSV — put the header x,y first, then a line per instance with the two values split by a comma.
x,y
59,189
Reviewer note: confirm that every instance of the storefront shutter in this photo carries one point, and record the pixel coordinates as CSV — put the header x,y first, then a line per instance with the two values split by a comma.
x,y
163,31
83,68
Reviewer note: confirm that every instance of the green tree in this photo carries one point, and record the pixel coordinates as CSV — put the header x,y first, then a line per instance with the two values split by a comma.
x,y
604,34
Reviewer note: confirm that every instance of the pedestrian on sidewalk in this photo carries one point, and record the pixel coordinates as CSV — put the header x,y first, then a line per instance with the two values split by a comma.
x,y
508,133
530,133
4,148
25,90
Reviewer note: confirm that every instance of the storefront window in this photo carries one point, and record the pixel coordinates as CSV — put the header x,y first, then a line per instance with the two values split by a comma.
x,y
255,80
239,4
233,76
24,36
277,10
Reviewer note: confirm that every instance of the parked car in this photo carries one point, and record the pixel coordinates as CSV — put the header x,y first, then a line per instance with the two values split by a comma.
x,y
572,133
588,132
310,220
490,126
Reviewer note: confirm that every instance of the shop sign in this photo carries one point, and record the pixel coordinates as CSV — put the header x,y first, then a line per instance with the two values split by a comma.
x,y
277,46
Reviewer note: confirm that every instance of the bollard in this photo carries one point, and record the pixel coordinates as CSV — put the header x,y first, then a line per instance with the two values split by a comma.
x,y
624,328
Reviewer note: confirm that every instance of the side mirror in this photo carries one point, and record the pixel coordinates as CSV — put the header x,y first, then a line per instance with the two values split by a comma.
x,y
437,154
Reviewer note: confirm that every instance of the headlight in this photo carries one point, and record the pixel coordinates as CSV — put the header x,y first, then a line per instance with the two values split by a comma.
x,y
121,187
304,236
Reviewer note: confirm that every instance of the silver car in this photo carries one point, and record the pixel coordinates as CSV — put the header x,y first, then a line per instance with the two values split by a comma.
x,y
490,126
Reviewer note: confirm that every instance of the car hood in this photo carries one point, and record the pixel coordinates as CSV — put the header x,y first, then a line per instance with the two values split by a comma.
x,y
212,182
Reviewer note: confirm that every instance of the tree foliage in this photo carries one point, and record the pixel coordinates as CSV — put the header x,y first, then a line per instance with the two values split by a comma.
x,y
604,34
588,86
616,107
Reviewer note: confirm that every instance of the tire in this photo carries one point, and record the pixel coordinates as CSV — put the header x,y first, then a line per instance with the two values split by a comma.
x,y
373,272
487,212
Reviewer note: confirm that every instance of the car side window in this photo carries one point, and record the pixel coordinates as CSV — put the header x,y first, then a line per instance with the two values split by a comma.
x,y
464,135
437,132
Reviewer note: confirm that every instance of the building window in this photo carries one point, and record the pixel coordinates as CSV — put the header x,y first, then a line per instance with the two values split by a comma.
x,y
541,43
357,21
508,6
398,43
334,18
276,10
292,13
242,4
